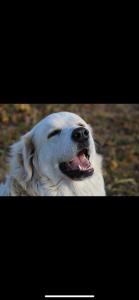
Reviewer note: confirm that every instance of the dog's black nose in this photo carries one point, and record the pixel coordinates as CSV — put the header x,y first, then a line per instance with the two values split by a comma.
x,y
80,134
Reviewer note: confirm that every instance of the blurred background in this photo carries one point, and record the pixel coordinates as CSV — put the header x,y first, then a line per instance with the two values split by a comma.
x,y
116,132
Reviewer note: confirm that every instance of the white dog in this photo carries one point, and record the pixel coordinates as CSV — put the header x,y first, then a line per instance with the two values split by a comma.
x,y
56,158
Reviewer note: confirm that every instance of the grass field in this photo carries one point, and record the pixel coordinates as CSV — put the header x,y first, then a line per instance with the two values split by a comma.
x,y
116,128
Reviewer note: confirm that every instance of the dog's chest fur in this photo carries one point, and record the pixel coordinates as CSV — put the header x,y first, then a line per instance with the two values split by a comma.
x,y
93,186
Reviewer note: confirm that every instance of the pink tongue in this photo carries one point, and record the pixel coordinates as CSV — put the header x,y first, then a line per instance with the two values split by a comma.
x,y
80,160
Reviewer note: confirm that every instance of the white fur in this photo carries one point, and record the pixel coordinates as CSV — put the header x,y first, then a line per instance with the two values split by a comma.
x,y
34,162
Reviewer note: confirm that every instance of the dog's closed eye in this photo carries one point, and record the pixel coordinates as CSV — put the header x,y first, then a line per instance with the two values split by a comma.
x,y
56,131
81,125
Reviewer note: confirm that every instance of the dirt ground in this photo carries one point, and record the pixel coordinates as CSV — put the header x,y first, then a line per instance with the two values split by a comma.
x,y
116,130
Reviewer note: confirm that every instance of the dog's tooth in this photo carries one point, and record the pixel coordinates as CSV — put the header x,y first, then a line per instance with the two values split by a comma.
x,y
80,167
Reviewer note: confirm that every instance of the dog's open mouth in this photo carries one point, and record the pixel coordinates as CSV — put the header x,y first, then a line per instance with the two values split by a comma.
x,y
79,167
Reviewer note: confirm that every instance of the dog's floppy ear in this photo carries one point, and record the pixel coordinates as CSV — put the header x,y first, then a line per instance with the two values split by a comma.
x,y
27,156
21,157
98,144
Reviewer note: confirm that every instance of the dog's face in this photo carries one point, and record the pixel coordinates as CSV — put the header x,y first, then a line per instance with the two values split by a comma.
x,y
63,147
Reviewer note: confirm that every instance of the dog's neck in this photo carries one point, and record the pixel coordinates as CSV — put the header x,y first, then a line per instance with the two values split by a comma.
x,y
44,187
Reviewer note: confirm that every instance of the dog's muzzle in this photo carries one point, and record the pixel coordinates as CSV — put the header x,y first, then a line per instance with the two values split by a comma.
x,y
79,167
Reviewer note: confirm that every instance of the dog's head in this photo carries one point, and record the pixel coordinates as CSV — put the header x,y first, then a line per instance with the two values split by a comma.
x,y
59,146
